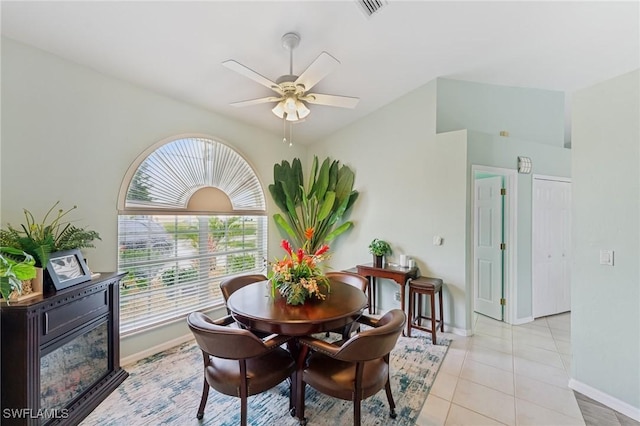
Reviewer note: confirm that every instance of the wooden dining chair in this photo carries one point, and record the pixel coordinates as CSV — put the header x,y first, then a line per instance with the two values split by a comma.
x,y
237,363
355,370
355,280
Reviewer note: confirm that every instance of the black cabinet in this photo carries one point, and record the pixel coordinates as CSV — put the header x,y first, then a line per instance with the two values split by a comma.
x,y
60,353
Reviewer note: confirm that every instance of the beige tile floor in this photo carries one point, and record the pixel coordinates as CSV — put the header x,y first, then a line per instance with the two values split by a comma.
x,y
503,374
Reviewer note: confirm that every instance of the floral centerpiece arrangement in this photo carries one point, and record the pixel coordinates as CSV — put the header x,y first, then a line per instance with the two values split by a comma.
x,y
298,276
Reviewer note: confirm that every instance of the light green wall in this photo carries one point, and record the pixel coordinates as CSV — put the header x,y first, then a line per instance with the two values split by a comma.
x,y
412,187
527,114
70,134
414,182
605,301
501,152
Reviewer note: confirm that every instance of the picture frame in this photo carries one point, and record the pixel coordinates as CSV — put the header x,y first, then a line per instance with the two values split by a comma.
x,y
67,268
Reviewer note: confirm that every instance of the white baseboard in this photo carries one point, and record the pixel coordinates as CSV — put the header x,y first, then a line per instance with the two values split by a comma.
x,y
603,398
520,321
458,331
156,349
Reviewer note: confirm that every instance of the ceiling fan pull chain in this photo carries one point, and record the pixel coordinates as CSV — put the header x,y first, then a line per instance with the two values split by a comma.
x,y
284,129
290,134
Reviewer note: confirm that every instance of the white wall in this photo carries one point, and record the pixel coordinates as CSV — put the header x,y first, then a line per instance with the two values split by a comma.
x,y
412,187
605,302
70,133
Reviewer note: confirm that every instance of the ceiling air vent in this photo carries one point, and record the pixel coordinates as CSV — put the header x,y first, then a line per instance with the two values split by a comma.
x,y
369,7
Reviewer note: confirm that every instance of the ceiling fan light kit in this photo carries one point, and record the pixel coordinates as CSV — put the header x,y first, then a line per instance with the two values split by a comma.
x,y
293,89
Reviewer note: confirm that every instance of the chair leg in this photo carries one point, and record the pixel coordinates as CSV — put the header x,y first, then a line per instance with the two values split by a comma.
x,y
410,320
441,311
392,404
203,400
356,410
432,297
243,410
292,392
244,392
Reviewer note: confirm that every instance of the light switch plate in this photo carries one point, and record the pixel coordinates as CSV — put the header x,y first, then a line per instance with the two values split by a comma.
x,y
606,257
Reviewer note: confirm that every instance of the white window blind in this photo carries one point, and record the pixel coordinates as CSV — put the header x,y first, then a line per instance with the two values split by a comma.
x,y
194,215
174,264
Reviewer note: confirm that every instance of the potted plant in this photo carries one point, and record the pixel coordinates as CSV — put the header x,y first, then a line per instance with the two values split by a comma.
x,y
320,204
15,266
379,248
40,239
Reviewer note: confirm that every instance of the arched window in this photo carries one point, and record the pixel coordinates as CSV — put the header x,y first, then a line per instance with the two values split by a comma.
x,y
191,213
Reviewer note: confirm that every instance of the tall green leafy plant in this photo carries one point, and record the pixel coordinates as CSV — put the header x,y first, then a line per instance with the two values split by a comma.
x,y
320,204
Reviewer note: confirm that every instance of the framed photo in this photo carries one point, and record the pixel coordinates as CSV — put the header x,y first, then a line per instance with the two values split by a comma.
x,y
67,268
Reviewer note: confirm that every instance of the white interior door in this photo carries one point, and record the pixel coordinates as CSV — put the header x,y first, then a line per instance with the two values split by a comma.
x,y
551,254
488,259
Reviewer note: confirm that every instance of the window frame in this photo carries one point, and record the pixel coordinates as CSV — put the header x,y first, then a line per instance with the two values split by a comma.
x,y
257,211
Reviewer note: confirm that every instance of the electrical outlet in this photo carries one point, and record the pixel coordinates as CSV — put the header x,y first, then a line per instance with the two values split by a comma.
x,y
397,296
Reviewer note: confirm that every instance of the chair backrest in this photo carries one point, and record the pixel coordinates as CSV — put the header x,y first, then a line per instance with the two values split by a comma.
x,y
224,342
375,342
350,278
230,285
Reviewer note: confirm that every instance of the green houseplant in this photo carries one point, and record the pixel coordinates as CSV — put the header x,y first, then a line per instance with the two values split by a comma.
x,y
40,239
319,206
379,248
15,266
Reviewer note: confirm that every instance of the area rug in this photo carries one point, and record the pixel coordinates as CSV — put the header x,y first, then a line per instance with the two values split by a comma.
x,y
165,389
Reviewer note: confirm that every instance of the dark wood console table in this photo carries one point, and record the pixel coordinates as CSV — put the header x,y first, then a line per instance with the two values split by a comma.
x,y
396,273
60,353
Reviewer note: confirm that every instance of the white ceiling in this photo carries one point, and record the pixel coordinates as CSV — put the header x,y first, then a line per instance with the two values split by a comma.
x,y
176,48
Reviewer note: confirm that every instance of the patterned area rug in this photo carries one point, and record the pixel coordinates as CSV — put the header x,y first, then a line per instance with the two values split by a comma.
x,y
165,389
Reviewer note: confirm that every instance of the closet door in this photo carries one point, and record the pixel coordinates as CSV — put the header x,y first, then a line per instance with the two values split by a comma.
x,y
551,252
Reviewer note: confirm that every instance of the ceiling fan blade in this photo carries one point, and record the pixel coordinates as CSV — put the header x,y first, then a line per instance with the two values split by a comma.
x,y
249,73
331,100
318,69
256,101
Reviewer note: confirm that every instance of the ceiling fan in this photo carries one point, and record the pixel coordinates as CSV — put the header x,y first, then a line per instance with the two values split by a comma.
x,y
293,90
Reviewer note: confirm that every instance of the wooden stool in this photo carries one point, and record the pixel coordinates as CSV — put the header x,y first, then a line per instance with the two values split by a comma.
x,y
425,286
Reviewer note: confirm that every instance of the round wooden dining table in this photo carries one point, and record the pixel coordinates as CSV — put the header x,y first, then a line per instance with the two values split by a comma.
x,y
253,307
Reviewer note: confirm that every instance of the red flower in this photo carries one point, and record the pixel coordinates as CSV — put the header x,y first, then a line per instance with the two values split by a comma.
x,y
322,250
285,245
308,233
300,255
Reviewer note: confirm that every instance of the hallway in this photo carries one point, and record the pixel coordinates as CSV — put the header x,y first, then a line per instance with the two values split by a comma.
x,y
513,375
